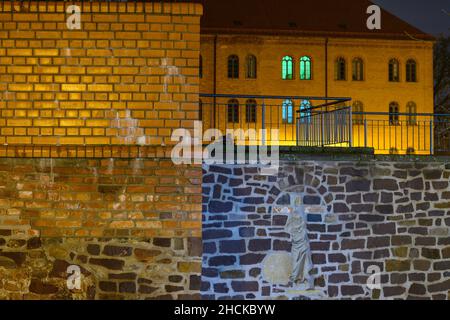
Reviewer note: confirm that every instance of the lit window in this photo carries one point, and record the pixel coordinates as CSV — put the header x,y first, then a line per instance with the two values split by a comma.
x,y
250,111
340,69
305,111
233,111
411,109
288,112
305,68
287,68
358,109
233,67
411,71
358,70
251,67
394,75
393,114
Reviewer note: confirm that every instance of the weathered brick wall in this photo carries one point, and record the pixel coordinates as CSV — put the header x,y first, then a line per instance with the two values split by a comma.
x,y
124,214
129,75
394,215
132,225
100,197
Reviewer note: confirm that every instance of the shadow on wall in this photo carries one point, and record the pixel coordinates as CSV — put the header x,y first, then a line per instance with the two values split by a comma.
x,y
389,217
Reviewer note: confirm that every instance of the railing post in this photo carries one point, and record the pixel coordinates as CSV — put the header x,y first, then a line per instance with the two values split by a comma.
x,y
322,122
431,137
365,133
263,123
350,140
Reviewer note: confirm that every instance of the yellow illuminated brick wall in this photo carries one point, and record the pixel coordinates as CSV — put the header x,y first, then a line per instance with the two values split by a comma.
x,y
128,76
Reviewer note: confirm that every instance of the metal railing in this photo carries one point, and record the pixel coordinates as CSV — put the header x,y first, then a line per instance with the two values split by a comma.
x,y
319,122
282,120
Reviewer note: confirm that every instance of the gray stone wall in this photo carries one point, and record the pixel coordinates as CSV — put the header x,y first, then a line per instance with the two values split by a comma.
x,y
361,216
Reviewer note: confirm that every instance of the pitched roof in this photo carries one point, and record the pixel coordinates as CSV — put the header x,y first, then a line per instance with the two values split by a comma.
x,y
332,18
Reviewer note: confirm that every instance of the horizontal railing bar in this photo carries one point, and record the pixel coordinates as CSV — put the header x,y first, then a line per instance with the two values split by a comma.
x,y
211,95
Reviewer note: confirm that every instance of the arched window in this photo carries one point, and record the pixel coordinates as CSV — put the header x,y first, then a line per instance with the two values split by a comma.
x,y
287,68
358,109
250,111
200,110
411,109
200,67
411,71
233,111
305,111
394,71
358,69
340,69
305,68
233,67
288,112
251,67
393,114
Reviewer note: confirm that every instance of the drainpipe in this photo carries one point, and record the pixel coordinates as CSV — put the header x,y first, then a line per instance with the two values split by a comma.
x,y
215,81
326,67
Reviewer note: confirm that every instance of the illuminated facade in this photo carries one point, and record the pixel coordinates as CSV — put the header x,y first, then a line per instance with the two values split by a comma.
x,y
386,71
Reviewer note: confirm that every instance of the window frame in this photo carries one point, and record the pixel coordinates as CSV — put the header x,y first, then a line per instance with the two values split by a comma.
x,y
411,109
393,62
411,74
340,69
302,65
394,110
287,112
358,106
283,67
251,113
251,61
358,68
233,111
233,66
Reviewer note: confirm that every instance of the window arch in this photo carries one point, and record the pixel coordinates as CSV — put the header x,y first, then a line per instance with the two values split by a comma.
x,y
394,70
411,71
358,108
411,109
250,111
288,111
305,68
358,69
233,67
287,68
200,67
305,111
341,69
233,111
394,114
251,66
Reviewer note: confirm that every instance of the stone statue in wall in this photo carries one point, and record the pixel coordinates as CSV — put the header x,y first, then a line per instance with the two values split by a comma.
x,y
301,254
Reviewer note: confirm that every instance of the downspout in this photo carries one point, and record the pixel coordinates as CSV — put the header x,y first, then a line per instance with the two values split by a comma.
x,y
215,81
326,67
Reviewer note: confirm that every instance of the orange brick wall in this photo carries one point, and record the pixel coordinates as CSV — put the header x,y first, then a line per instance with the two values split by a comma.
x,y
116,197
128,76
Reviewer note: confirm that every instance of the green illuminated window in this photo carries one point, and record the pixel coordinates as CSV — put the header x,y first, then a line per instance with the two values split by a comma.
x,y
305,68
287,68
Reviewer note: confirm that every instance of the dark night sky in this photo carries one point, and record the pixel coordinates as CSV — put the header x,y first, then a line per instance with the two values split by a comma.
x,y
426,15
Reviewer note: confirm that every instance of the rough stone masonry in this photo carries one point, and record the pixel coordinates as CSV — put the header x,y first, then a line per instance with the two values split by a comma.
x,y
392,215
